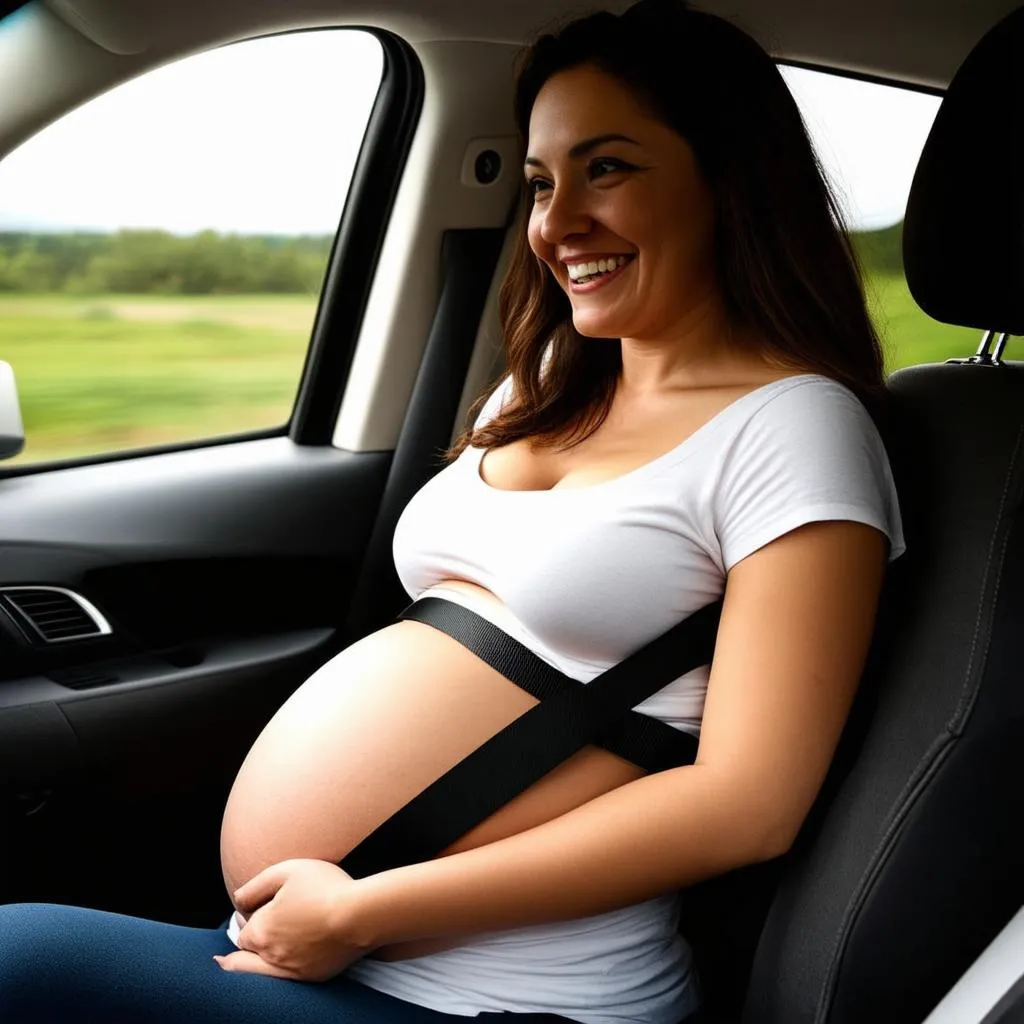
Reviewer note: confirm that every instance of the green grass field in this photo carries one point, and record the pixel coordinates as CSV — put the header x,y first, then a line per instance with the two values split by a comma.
x,y
114,372
908,335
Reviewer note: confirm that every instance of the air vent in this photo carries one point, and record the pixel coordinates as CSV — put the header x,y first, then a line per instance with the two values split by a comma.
x,y
53,614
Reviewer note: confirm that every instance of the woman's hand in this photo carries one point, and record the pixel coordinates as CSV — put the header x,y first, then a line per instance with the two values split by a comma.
x,y
295,922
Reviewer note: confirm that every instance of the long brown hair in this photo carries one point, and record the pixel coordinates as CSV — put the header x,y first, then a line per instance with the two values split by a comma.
x,y
784,262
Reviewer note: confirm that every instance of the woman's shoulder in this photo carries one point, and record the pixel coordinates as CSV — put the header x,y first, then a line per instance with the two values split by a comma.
x,y
809,383
812,400
812,425
809,451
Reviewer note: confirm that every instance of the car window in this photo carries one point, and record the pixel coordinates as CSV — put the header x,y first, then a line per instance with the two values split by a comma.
x,y
869,137
163,246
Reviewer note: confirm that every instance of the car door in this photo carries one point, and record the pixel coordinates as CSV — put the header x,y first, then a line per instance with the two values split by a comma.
x,y
166,583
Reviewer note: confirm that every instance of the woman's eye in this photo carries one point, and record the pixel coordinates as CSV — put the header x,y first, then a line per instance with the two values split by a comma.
x,y
603,165
536,185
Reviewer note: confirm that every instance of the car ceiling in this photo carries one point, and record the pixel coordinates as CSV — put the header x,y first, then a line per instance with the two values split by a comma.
x,y
56,54
917,41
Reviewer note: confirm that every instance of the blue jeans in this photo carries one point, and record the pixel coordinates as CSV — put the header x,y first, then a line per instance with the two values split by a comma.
x,y
67,965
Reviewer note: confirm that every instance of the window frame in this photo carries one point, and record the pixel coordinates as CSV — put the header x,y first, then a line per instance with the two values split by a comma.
x,y
861,76
350,269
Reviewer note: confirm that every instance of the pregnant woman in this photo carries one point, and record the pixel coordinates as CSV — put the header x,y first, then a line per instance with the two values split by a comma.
x,y
688,414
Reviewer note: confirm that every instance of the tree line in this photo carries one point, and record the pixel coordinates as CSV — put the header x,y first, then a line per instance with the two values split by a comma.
x,y
153,262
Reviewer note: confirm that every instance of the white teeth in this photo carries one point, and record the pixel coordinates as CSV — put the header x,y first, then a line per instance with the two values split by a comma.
x,y
582,272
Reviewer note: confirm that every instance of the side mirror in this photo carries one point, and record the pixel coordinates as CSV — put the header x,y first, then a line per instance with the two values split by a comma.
x,y
12,432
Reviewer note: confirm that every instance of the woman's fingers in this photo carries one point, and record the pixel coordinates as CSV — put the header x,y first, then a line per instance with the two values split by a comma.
x,y
244,962
262,887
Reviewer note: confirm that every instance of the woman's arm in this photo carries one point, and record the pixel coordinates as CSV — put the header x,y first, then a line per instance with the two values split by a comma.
x,y
796,625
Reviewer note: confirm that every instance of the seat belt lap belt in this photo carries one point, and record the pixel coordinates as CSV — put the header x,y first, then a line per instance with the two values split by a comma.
x,y
569,716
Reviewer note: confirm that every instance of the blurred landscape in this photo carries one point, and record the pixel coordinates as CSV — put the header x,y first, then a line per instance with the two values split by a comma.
x,y
908,334
143,338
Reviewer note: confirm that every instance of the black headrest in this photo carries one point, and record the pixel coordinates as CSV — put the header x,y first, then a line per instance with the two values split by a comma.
x,y
963,236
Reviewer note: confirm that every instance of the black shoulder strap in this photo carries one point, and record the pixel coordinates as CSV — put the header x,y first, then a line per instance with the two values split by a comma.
x,y
532,745
648,742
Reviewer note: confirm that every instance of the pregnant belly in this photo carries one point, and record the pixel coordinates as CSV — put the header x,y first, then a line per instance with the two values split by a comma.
x,y
367,732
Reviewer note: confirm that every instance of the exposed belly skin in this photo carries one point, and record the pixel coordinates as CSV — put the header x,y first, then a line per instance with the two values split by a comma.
x,y
370,730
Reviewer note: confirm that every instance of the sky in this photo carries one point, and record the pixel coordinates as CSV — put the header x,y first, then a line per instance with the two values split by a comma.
x,y
261,138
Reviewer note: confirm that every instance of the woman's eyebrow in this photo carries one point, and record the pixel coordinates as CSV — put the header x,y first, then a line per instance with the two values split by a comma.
x,y
584,147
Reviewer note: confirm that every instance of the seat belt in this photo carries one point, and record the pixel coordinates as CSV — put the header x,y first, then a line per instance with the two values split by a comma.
x,y
648,742
569,716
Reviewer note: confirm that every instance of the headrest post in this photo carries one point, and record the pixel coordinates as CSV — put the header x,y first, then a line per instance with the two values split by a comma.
x,y
983,357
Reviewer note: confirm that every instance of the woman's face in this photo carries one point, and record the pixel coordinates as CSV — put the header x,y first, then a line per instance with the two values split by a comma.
x,y
614,187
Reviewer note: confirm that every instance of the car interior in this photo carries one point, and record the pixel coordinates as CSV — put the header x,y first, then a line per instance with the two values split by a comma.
x,y
158,605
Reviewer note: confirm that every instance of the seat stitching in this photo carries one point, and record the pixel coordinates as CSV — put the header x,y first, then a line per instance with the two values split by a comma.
x,y
988,610
930,762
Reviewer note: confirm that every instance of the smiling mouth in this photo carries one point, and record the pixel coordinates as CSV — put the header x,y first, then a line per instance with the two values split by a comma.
x,y
603,272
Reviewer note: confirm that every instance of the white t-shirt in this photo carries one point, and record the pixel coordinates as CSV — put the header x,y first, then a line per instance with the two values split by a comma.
x,y
587,575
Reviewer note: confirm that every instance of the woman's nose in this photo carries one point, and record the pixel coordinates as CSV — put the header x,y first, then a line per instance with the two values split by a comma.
x,y
564,215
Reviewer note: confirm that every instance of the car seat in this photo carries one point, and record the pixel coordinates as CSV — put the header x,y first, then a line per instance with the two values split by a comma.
x,y
913,857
